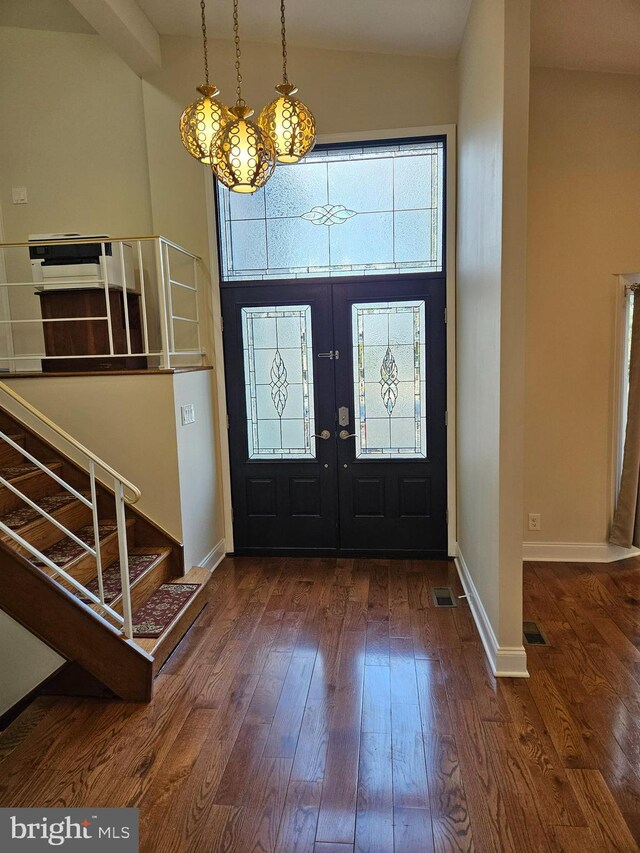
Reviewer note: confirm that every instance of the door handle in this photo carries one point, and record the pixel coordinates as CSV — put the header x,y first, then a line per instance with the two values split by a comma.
x,y
325,435
345,434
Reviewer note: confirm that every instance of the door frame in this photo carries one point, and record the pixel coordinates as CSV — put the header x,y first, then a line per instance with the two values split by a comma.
x,y
447,131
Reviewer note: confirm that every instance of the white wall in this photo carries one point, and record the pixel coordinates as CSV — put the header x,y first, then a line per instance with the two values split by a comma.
x,y
493,68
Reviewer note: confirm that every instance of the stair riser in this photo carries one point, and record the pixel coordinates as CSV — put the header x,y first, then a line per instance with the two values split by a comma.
x,y
85,569
34,486
147,584
172,637
10,456
42,533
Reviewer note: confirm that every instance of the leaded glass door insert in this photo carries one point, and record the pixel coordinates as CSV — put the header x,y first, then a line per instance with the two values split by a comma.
x,y
389,356
278,370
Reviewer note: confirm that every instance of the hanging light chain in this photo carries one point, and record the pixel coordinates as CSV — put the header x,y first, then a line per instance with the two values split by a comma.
x,y
236,37
283,24
204,41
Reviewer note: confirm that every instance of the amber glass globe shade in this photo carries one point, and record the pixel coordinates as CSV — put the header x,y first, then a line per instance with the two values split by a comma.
x,y
290,125
201,121
242,156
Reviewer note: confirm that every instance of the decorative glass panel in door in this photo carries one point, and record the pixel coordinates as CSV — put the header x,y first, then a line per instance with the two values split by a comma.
x,y
389,354
278,370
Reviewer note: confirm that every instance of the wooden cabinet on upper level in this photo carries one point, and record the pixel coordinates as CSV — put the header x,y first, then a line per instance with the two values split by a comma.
x,y
90,337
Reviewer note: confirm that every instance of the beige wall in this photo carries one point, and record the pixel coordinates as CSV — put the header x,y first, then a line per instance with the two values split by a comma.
x,y
584,210
126,173
134,423
493,67
24,662
73,134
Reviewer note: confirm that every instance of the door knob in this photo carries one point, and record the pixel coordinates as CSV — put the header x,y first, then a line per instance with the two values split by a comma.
x,y
325,435
345,434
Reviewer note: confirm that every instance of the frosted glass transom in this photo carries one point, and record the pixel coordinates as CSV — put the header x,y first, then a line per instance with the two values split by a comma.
x,y
366,210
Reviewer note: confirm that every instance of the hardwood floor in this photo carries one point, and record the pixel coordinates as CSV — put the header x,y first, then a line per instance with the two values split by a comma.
x,y
327,706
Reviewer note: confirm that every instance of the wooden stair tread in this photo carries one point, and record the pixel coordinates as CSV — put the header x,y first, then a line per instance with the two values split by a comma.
x,y
18,473
21,519
107,530
160,647
161,553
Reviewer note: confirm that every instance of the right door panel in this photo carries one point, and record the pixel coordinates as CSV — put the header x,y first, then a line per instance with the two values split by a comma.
x,y
391,377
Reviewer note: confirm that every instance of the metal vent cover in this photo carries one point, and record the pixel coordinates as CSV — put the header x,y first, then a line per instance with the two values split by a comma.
x,y
443,596
532,634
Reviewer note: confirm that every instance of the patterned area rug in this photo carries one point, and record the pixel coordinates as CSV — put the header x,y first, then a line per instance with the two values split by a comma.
x,y
138,564
159,611
25,514
66,550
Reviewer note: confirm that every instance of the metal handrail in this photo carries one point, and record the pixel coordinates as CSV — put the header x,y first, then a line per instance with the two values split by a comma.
x,y
135,491
80,241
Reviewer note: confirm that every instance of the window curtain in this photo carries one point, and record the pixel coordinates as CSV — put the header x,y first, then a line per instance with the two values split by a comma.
x,y
626,523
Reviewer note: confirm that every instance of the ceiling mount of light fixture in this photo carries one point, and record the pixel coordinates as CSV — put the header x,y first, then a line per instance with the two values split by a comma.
x,y
287,120
242,156
203,118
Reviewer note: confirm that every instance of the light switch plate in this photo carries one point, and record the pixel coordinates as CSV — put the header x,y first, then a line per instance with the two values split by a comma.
x,y
188,413
19,195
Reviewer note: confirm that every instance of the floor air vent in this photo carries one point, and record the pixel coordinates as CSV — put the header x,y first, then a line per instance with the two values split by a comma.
x,y
443,597
533,635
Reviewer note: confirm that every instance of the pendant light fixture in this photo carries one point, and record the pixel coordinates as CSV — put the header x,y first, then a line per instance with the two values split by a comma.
x,y
288,121
203,118
242,156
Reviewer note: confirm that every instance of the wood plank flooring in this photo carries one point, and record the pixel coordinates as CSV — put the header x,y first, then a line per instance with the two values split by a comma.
x,y
326,706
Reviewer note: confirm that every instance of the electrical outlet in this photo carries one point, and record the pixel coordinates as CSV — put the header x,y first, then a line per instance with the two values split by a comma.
x,y
534,521
188,413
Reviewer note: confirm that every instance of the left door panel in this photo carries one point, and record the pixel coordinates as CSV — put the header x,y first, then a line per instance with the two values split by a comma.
x,y
281,391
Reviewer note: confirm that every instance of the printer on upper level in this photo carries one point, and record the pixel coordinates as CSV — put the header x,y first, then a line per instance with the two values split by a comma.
x,y
57,264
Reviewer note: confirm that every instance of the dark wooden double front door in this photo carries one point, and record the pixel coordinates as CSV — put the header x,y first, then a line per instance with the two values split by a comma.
x,y
336,396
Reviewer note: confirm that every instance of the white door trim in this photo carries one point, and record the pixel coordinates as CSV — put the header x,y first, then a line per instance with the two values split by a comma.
x,y
449,132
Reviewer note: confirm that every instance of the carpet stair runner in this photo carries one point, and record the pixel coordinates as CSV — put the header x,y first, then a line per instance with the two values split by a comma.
x,y
138,565
156,614
164,603
66,550
50,503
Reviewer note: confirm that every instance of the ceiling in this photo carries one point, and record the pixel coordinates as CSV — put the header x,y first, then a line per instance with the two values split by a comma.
x,y
590,35
587,35
423,27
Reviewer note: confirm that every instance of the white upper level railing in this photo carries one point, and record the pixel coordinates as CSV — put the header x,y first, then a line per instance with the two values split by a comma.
x,y
124,492
149,314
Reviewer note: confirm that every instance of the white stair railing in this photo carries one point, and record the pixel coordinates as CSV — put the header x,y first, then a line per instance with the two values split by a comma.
x,y
167,333
124,492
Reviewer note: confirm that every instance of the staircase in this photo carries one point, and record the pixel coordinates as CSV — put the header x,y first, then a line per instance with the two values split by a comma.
x,y
116,626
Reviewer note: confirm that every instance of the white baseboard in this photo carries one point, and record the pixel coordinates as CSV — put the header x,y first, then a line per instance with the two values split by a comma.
x,y
575,552
506,661
214,557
